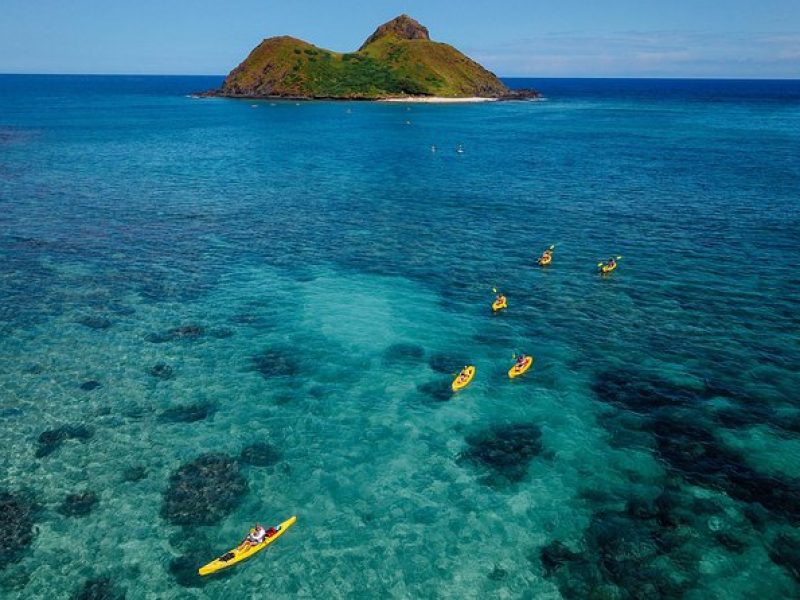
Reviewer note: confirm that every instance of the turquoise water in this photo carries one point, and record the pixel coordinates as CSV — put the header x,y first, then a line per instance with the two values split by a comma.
x,y
290,287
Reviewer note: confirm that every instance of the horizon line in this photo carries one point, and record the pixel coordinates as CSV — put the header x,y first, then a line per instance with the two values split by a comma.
x,y
654,77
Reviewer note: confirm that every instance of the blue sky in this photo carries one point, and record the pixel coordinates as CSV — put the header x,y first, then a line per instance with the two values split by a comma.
x,y
533,38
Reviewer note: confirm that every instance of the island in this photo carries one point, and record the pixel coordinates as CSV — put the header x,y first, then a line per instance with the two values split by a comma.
x,y
397,62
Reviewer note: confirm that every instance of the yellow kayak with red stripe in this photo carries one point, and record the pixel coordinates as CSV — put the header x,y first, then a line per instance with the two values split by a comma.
x,y
245,550
518,370
464,378
499,304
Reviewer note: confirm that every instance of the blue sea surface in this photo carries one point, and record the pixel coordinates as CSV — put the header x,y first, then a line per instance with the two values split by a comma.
x,y
215,312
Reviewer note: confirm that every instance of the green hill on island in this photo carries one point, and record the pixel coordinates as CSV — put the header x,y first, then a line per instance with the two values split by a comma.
x,y
399,59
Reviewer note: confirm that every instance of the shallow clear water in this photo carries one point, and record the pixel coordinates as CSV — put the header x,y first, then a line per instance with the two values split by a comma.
x,y
310,276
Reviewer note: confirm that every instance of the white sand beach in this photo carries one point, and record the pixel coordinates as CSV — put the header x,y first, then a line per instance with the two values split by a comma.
x,y
437,99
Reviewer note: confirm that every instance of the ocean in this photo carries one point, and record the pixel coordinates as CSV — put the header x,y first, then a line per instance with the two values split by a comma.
x,y
219,312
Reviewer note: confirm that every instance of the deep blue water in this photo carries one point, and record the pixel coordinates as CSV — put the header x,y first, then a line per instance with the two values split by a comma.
x,y
291,286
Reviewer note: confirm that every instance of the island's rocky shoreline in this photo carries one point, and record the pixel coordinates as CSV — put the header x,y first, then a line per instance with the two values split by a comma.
x,y
512,95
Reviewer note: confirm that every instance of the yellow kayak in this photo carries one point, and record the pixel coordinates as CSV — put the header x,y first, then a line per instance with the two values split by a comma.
x,y
245,550
499,304
460,383
607,268
516,371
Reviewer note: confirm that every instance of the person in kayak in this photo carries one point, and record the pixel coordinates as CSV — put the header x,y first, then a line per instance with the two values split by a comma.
x,y
611,263
463,376
521,360
547,255
257,535
501,299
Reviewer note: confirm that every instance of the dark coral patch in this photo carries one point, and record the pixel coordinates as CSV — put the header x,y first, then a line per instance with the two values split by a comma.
x,y
758,516
439,390
101,588
203,491
221,333
282,399
79,504
447,364
627,391
49,441
627,549
95,322
649,550
14,580
677,420
156,338
11,412
162,371
622,543
731,541
641,508
692,451
134,474
583,579
276,362
260,454
88,386
177,334
746,416
16,527
188,413
620,561
554,555
196,550
184,569
186,332
785,551
504,449
644,394
403,353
